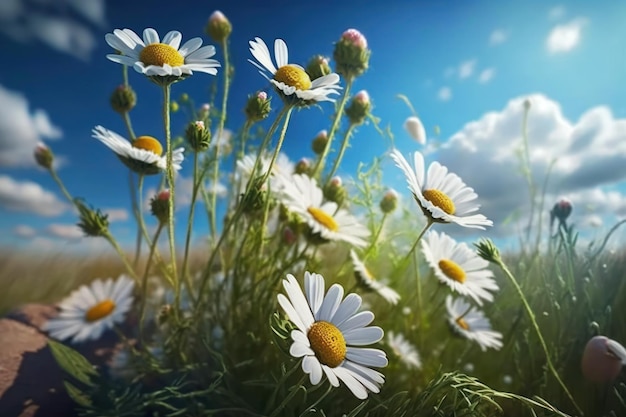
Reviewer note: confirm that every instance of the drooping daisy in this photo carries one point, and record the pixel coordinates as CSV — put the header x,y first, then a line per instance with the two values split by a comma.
x,y
154,58
404,350
281,170
327,330
92,309
367,280
459,267
143,155
442,195
302,196
472,324
291,79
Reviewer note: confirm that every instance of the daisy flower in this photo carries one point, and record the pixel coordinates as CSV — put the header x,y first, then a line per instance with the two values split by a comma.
x,y
472,324
92,309
152,57
442,195
459,267
291,79
302,196
281,170
326,329
143,155
367,280
404,350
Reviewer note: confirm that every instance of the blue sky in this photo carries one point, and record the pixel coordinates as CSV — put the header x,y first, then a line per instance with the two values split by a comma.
x,y
467,67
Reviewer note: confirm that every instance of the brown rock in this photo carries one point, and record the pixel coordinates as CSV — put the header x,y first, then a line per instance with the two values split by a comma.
x,y
34,315
31,383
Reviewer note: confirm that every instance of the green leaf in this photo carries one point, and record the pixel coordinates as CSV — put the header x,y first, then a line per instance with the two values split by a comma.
x,y
72,362
77,395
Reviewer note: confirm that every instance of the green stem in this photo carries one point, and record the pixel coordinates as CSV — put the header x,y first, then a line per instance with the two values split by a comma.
x,y
136,212
372,245
194,194
56,179
342,104
220,130
144,282
170,183
535,325
281,139
342,150
419,237
294,391
121,253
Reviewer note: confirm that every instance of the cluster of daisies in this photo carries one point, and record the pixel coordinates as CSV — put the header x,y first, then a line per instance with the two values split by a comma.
x,y
443,197
331,333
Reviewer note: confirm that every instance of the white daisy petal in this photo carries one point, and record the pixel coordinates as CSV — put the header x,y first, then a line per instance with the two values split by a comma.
x,y
361,319
351,382
173,39
367,356
312,366
150,36
331,303
363,336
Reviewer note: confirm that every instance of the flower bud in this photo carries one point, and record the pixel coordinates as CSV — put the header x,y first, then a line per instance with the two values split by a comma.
x,y
334,191
160,207
319,142
174,107
351,54
204,110
123,99
218,26
184,98
562,209
92,222
413,125
303,166
389,202
198,136
258,107
318,67
43,156
359,108
602,359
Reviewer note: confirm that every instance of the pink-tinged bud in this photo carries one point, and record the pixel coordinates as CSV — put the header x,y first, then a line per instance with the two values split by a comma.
x,y
389,202
303,166
355,37
159,206
164,195
43,156
602,359
262,95
320,142
204,109
336,181
562,209
362,96
199,124
218,26
289,236
413,125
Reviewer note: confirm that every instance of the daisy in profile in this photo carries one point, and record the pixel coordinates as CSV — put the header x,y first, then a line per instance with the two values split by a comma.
x,y
404,350
143,155
328,328
459,267
442,195
291,79
301,195
472,324
367,280
92,309
155,58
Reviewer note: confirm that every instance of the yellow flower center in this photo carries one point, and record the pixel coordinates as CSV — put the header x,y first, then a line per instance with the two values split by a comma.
x,y
328,343
323,218
148,143
440,199
100,310
159,54
452,270
293,77
462,324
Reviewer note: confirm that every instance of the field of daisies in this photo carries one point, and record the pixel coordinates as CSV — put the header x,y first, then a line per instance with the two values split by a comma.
x,y
319,295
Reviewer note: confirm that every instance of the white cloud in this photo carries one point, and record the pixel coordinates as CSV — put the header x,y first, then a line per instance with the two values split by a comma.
x,y
498,37
486,75
556,12
116,214
21,129
64,231
466,69
48,21
30,197
564,38
444,93
590,155
24,231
